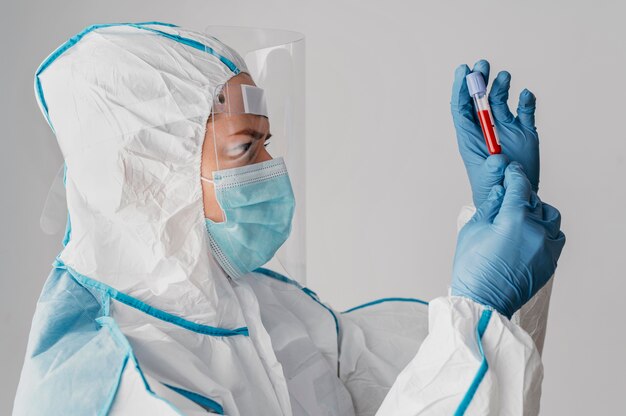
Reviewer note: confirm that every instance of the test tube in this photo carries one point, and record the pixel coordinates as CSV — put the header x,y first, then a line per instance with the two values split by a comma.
x,y
478,90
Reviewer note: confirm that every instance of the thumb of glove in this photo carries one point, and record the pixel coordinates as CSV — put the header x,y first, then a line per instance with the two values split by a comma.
x,y
489,174
488,210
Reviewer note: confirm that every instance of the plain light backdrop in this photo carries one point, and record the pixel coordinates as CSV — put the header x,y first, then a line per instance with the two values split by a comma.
x,y
385,181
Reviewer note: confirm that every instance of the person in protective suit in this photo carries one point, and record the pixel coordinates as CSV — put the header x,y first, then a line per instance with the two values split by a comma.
x,y
158,303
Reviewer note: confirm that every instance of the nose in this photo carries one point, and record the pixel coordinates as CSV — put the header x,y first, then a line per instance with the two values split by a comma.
x,y
264,156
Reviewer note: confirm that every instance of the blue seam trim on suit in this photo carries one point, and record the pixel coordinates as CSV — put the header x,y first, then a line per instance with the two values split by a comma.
x,y
68,230
68,224
196,45
198,398
76,38
484,366
118,336
150,310
106,304
277,276
309,292
383,300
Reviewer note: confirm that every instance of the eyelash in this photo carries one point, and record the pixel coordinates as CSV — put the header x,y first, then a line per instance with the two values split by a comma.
x,y
247,146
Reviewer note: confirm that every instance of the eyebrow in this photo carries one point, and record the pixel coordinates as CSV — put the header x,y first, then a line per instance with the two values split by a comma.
x,y
252,132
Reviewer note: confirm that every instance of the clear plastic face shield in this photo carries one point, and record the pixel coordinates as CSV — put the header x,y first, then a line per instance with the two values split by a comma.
x,y
256,120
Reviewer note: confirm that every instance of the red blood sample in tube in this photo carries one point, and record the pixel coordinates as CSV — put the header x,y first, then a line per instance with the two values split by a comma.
x,y
486,124
478,90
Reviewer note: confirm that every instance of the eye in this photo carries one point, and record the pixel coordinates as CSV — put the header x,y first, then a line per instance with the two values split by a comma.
x,y
238,150
245,147
267,143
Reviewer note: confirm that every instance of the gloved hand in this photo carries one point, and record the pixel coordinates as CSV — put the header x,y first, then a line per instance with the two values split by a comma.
x,y
509,248
518,135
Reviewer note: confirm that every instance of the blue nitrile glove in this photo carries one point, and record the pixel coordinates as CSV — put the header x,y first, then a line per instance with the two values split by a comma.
x,y
510,247
518,135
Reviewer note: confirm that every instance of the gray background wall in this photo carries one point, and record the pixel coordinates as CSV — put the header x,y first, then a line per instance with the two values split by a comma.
x,y
385,181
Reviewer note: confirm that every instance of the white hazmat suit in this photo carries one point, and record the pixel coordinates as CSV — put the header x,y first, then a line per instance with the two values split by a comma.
x,y
137,317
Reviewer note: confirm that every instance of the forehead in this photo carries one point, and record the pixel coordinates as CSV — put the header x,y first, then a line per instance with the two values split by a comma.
x,y
230,124
241,78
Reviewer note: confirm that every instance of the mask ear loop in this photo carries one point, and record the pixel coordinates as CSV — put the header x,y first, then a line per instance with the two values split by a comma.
x,y
218,92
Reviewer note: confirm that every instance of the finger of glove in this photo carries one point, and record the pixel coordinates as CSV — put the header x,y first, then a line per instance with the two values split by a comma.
x,y
517,187
535,205
487,211
498,97
484,68
489,174
526,109
557,244
461,102
554,248
551,220
472,148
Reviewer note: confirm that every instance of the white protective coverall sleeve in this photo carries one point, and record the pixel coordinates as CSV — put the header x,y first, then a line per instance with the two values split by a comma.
x,y
474,361
453,356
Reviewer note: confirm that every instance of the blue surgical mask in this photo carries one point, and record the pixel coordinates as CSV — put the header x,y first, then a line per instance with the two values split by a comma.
x,y
258,205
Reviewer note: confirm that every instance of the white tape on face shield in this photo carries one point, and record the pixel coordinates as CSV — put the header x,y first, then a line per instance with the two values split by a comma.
x,y
240,99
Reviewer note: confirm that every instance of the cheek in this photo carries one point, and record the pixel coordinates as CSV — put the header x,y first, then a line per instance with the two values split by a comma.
x,y
212,209
207,165
208,193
